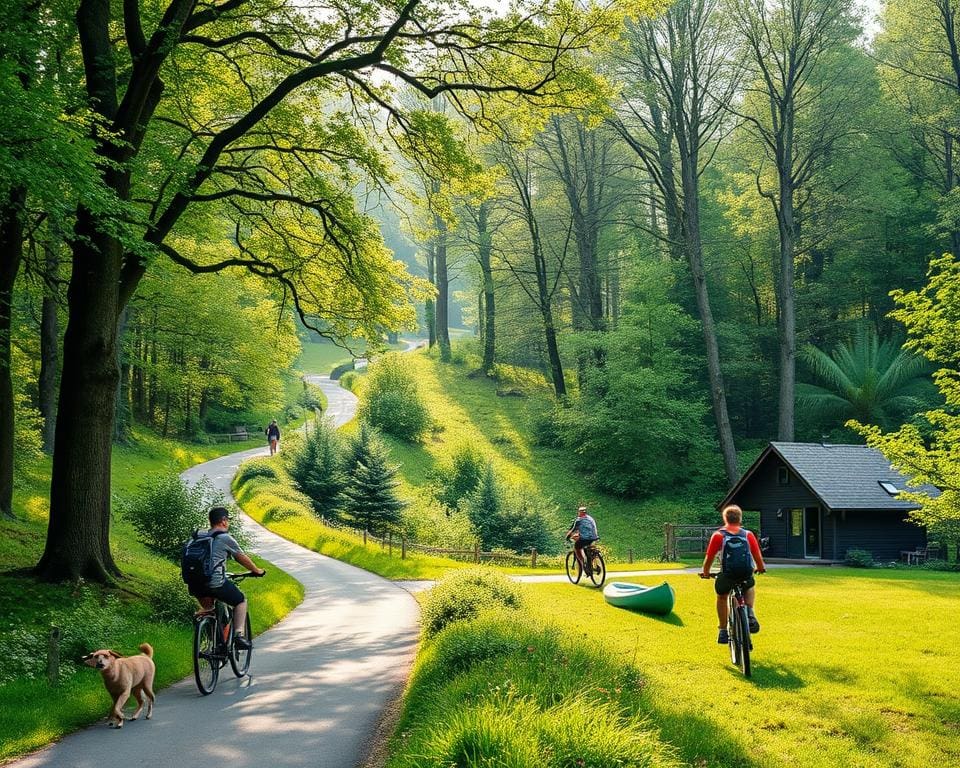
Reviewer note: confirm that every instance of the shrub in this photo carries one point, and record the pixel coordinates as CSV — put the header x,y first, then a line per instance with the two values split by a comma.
x,y
311,397
859,558
165,512
429,522
464,595
391,401
91,622
461,477
257,468
350,381
169,601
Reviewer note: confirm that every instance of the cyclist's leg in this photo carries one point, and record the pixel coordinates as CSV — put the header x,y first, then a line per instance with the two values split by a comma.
x,y
578,552
230,594
722,585
750,598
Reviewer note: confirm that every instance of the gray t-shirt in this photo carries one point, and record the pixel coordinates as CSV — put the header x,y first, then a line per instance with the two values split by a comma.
x,y
224,546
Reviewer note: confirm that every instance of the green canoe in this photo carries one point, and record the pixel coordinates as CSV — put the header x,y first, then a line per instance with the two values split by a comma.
x,y
640,598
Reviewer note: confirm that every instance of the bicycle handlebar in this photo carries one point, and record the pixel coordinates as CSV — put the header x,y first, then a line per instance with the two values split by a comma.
x,y
246,575
714,574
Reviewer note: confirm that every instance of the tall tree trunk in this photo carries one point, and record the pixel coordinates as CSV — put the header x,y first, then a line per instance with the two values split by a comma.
x,y
78,543
430,308
11,255
443,291
787,318
489,317
694,249
121,428
49,354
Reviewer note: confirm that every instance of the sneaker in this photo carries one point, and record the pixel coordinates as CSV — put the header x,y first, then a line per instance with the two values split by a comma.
x,y
242,643
723,638
754,624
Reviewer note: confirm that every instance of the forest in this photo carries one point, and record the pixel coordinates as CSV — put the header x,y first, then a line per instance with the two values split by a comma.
x,y
705,224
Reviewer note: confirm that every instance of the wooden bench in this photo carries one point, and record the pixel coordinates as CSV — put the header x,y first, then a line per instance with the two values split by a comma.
x,y
239,434
914,557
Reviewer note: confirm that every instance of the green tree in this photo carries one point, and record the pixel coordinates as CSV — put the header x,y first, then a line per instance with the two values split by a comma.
x,y
871,380
317,468
929,453
200,135
369,499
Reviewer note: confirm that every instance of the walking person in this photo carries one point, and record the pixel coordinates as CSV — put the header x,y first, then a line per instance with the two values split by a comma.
x,y
273,436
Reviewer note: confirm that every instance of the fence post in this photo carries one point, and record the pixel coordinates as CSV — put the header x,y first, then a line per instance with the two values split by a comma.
x,y
390,543
533,557
403,546
53,656
364,537
630,555
476,551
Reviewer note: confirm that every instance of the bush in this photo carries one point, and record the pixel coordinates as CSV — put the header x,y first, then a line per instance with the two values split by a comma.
x,y
859,558
461,476
464,595
170,602
311,397
350,381
165,512
257,468
391,401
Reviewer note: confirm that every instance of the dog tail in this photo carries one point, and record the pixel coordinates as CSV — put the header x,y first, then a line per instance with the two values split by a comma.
x,y
147,649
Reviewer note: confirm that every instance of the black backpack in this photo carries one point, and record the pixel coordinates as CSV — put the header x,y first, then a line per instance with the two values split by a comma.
x,y
196,561
735,557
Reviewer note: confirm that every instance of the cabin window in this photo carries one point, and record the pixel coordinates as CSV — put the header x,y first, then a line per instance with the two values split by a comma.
x,y
783,476
796,522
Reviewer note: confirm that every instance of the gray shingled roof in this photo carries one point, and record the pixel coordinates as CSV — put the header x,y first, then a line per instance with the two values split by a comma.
x,y
847,476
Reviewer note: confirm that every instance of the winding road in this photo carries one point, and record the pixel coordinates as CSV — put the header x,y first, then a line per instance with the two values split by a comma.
x,y
320,680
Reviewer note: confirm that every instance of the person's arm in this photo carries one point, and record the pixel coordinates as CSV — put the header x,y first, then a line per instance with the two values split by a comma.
x,y
716,541
755,551
246,562
572,529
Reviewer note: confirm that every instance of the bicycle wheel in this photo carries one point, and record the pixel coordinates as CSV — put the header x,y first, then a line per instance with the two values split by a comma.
x,y
743,631
206,664
734,640
240,659
574,570
598,569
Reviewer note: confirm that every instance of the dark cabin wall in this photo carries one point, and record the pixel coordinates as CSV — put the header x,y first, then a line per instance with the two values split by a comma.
x,y
885,533
764,493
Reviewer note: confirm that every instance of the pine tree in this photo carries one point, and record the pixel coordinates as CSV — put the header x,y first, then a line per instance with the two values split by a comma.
x,y
369,499
485,506
318,469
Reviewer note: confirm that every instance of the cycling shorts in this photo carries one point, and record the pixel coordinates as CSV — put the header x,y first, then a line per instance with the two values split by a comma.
x,y
228,593
724,584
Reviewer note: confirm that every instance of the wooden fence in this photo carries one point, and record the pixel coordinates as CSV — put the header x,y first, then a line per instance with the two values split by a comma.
x,y
685,540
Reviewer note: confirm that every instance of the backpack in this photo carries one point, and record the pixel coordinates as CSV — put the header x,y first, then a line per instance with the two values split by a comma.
x,y
196,561
735,557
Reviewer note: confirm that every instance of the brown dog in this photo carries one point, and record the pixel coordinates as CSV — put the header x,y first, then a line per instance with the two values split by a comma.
x,y
123,675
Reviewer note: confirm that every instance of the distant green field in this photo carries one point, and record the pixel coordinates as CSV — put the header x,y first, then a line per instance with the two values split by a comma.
x,y
319,358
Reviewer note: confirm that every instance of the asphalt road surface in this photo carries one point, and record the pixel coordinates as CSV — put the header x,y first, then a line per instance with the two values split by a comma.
x,y
319,683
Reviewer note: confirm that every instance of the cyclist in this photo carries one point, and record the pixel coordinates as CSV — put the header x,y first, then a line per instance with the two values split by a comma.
x,y
583,533
220,587
732,517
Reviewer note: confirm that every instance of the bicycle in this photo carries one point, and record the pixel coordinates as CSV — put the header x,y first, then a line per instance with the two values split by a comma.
x,y
738,628
596,567
213,642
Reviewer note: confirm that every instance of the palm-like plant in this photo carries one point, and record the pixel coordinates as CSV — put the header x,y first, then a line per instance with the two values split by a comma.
x,y
868,379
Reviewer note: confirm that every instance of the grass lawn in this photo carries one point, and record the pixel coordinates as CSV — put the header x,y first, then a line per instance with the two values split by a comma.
x,y
851,667
321,358
468,410
35,713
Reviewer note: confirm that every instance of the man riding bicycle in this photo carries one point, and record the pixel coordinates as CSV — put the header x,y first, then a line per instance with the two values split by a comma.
x,y
583,533
734,542
219,587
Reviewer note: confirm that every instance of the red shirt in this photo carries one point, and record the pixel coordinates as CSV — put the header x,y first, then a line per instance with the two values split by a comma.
x,y
716,543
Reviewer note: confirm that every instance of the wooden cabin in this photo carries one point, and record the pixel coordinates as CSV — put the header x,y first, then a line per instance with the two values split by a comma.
x,y
817,501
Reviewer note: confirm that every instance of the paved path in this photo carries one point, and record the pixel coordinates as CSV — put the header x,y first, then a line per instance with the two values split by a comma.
x,y
320,679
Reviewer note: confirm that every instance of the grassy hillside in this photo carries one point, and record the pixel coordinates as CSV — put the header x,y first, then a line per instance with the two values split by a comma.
x,y
840,677
466,409
35,713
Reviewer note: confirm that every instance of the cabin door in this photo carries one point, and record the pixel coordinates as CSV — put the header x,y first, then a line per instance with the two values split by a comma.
x,y
795,533
811,529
